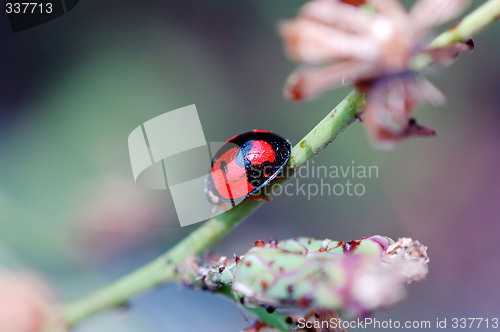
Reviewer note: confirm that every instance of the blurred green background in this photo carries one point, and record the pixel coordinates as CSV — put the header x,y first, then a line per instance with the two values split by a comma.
x,y
73,89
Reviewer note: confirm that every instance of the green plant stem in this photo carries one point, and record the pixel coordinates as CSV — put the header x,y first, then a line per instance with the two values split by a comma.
x,y
162,269
470,25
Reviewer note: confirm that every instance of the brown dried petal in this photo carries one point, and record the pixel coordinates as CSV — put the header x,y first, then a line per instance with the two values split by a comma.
x,y
390,104
309,83
445,55
311,42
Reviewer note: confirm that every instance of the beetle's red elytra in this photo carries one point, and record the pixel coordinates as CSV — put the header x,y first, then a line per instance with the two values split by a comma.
x,y
246,163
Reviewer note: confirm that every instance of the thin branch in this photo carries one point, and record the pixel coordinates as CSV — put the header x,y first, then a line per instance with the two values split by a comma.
x,y
162,269
470,25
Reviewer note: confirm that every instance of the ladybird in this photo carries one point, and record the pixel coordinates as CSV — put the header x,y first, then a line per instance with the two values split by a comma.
x,y
246,163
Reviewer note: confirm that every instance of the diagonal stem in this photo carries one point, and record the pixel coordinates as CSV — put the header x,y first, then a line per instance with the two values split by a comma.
x,y
162,269
470,25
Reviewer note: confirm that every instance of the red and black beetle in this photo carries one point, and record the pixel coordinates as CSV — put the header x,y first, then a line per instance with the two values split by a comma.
x,y
245,163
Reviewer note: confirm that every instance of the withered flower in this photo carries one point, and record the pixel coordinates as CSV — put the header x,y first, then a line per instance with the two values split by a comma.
x,y
369,44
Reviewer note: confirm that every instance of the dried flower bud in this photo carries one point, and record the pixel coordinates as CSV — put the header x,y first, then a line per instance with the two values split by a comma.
x,y
371,48
358,276
409,257
334,275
